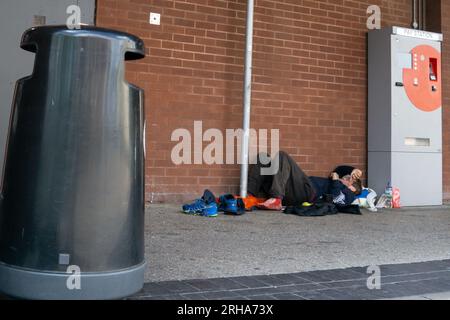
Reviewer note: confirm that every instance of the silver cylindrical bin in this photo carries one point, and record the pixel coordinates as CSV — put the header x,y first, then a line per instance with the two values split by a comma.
x,y
72,193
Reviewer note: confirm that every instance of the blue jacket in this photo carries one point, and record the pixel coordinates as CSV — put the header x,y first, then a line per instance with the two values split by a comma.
x,y
341,194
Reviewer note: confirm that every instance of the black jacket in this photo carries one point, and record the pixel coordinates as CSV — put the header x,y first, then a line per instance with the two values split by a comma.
x,y
340,193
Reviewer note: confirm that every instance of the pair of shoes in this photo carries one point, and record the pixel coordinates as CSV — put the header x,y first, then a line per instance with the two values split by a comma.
x,y
274,204
205,207
231,205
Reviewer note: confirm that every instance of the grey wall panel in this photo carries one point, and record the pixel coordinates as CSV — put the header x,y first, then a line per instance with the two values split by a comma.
x,y
417,175
379,171
379,127
15,17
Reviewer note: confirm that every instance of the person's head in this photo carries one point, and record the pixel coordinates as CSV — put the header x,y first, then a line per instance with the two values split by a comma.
x,y
354,185
357,185
347,181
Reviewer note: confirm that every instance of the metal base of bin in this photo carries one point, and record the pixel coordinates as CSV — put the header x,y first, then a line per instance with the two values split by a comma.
x,y
37,285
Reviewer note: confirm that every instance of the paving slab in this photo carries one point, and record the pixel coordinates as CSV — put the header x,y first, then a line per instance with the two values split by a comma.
x,y
414,285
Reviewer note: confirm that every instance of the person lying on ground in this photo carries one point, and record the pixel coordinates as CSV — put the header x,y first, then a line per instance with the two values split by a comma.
x,y
290,186
354,173
355,183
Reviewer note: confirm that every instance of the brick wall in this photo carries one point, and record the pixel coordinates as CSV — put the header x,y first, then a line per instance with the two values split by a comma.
x,y
310,79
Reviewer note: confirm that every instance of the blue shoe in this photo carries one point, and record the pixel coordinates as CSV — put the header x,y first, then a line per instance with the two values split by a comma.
x,y
210,210
227,203
205,207
230,205
195,208
208,197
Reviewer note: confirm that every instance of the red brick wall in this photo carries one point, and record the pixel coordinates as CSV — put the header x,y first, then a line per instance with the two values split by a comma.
x,y
310,79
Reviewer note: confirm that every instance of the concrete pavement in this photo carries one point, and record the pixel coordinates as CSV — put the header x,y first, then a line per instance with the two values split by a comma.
x,y
180,247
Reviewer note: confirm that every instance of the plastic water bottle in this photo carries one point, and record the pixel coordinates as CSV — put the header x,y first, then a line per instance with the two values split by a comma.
x,y
388,191
389,194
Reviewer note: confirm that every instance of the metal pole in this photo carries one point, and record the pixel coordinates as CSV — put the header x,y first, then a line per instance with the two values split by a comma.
x,y
247,98
415,24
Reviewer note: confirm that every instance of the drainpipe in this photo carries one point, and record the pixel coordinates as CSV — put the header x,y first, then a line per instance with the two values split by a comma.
x,y
247,98
415,23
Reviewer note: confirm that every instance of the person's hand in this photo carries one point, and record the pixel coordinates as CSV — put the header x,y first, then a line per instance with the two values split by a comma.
x,y
334,176
357,174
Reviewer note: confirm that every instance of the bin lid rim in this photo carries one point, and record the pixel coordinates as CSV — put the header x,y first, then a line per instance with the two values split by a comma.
x,y
82,27
137,51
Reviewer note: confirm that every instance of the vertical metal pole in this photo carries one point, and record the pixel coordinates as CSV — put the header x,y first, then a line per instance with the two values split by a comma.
x,y
415,24
247,98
